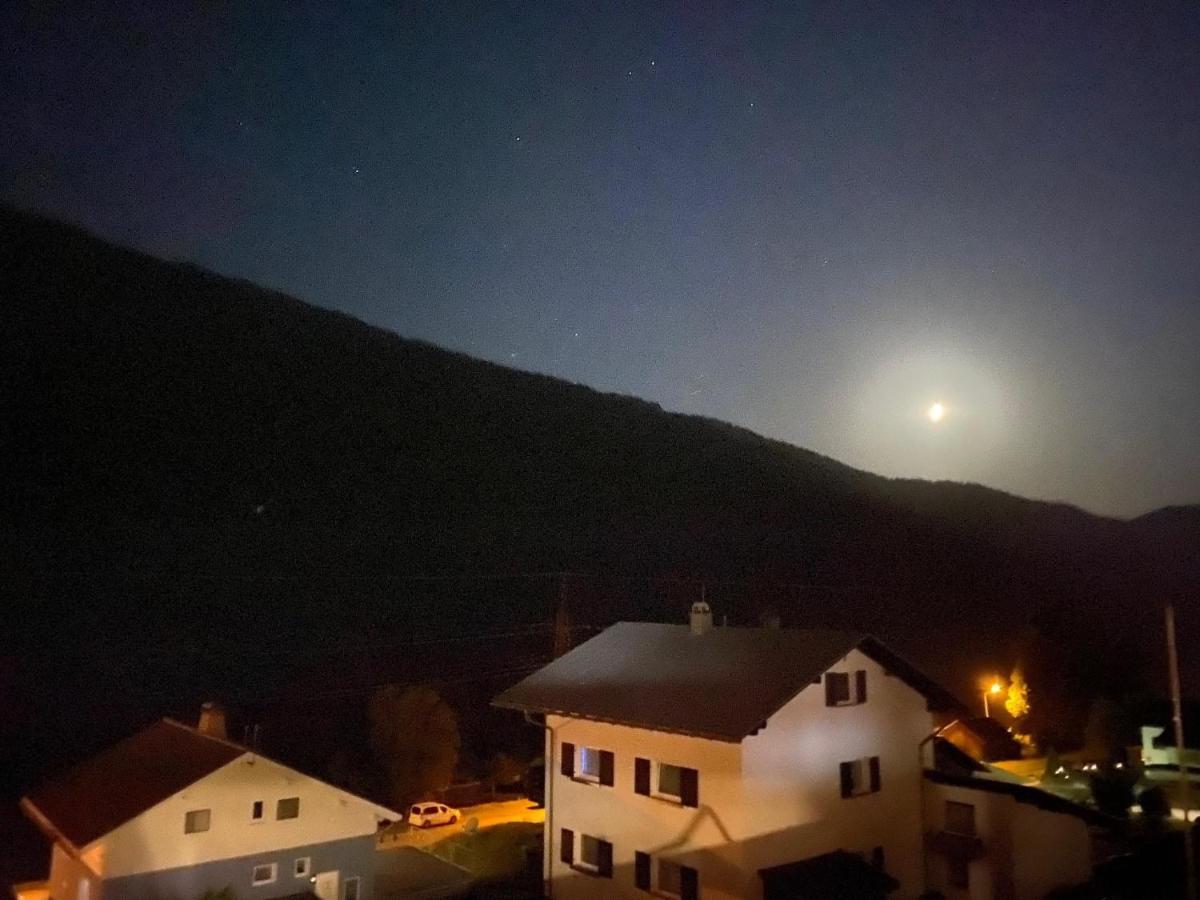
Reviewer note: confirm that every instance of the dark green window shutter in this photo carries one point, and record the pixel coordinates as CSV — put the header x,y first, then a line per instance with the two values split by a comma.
x,y
604,863
641,776
689,787
568,760
875,773
689,883
847,773
860,684
606,767
567,847
641,870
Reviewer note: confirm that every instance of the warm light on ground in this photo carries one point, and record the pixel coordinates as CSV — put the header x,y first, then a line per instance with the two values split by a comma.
x,y
936,412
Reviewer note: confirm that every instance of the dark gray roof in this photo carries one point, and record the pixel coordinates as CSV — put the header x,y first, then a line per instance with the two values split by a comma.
x,y
722,685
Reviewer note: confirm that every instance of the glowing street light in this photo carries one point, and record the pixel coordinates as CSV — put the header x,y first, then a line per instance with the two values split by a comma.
x,y
995,688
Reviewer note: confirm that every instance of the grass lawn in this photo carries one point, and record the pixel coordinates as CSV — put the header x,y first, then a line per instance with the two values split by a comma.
x,y
494,853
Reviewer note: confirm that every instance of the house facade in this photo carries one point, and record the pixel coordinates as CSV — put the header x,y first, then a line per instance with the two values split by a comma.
x,y
172,812
691,760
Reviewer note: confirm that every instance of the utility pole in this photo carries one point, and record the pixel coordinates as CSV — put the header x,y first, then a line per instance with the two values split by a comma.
x,y
1184,784
562,620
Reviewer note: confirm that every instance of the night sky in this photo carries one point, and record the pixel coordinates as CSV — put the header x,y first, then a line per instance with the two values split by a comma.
x,y
812,220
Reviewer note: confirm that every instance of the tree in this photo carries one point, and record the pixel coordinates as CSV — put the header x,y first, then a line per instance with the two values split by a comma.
x,y
1017,701
414,736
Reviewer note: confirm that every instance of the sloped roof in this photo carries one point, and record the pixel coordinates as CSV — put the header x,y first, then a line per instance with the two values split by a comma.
x,y
722,685
1024,793
129,778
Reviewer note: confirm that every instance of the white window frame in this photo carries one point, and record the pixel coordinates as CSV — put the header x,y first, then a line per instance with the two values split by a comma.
x,y
591,753
656,879
580,862
207,821
307,860
656,782
346,887
255,881
853,697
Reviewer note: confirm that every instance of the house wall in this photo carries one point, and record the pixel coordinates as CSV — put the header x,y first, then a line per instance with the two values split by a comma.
x,y
772,799
350,857
1027,851
69,878
792,785
155,840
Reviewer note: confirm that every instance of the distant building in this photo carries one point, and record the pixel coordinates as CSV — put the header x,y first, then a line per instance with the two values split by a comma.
x,y
982,738
173,812
748,762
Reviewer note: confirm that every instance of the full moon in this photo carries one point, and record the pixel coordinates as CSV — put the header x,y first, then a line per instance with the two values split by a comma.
x,y
936,412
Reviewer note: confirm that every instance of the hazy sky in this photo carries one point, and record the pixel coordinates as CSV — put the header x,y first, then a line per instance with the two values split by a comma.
x,y
813,220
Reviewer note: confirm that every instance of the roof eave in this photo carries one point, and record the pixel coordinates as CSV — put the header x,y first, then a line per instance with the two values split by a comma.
x,y
567,714
48,828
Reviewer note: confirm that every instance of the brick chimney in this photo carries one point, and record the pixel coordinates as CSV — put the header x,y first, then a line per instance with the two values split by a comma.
x,y
212,720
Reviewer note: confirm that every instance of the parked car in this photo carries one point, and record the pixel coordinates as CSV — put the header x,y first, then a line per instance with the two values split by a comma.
x,y
427,815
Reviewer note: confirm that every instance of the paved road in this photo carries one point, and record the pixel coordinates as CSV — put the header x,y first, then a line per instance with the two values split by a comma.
x,y
486,815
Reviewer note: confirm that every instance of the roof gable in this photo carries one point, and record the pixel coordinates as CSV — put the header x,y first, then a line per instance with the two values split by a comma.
x,y
120,783
723,684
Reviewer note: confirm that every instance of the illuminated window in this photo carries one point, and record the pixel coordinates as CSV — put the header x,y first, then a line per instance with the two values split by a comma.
x,y
196,821
288,808
263,874
589,763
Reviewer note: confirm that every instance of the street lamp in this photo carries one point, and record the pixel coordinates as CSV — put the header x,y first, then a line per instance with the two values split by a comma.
x,y
995,688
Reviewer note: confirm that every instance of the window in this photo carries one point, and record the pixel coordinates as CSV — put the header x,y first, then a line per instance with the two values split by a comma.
x,y
860,776
256,811
666,781
840,690
350,891
588,764
960,818
287,808
302,867
665,877
592,855
959,872
197,820
670,781
263,874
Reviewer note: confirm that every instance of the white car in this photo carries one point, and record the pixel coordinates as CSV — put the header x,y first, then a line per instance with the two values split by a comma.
x,y
427,815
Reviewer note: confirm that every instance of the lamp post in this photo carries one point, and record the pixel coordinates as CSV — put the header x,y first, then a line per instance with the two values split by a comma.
x,y
995,688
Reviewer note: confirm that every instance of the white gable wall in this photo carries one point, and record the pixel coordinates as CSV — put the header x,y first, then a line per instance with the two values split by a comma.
x,y
155,840
772,799
792,780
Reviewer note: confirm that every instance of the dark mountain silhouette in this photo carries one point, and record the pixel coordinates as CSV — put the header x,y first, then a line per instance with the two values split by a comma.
x,y
209,486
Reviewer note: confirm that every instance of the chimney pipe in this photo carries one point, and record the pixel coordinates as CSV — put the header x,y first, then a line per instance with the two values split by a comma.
x,y
701,617
212,720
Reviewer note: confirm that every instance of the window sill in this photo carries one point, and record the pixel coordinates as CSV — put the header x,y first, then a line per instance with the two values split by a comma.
x,y
585,779
673,799
585,869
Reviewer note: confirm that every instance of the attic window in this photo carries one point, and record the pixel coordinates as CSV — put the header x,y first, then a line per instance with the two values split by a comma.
x,y
840,690
288,808
197,820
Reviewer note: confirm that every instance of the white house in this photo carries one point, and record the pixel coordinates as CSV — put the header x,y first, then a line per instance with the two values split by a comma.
x,y
733,762
173,812
991,837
